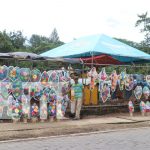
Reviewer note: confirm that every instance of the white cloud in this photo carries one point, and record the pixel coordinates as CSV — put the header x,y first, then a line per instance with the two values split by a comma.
x,y
73,18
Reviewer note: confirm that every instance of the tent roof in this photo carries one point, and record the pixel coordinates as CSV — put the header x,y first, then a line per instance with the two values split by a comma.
x,y
102,59
26,56
98,45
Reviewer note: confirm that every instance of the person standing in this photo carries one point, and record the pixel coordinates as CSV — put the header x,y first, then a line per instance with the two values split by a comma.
x,y
76,98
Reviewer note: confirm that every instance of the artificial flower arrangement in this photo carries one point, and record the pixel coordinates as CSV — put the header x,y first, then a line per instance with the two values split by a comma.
x,y
26,89
102,76
65,102
17,89
52,104
105,92
146,92
131,108
138,92
43,110
93,75
24,74
43,104
142,107
129,82
36,90
2,101
13,73
44,96
1,111
53,76
35,75
3,72
52,109
25,107
10,105
59,112
16,109
147,78
114,78
63,75
44,78
148,107
6,88
34,111
122,78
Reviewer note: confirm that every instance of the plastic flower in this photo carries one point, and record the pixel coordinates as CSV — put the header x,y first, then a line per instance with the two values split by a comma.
x,y
34,77
16,111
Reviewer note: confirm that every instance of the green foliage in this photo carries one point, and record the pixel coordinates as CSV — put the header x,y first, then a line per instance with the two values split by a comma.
x,y
37,40
17,39
5,43
144,22
130,43
141,46
54,38
41,44
43,47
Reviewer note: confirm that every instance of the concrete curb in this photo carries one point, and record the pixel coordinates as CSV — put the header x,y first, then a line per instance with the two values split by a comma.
x,y
72,135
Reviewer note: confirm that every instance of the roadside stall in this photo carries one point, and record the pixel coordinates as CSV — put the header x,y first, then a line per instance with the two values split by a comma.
x,y
108,69
27,93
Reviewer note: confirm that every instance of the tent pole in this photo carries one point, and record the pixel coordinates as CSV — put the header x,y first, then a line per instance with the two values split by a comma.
x,y
91,98
92,59
82,72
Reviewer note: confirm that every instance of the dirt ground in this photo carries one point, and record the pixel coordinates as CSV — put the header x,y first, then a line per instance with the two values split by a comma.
x,y
9,131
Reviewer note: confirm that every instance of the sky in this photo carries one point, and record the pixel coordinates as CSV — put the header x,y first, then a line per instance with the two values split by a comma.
x,y
74,18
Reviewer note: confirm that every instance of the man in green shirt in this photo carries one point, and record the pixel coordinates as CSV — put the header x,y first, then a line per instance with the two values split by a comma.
x,y
76,98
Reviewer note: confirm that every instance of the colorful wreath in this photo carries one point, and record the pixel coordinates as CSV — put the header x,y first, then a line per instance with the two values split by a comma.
x,y
25,74
45,79
16,110
43,110
131,107
142,106
3,72
35,75
34,110
138,92
25,106
6,87
146,92
17,89
14,73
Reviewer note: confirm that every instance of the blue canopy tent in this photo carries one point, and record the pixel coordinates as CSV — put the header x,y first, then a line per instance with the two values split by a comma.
x,y
97,45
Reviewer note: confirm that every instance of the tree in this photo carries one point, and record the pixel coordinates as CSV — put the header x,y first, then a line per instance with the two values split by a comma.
x,y
17,39
144,20
130,43
35,40
54,38
139,46
5,43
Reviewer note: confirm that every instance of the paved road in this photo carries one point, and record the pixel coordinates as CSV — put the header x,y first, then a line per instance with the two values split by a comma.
x,y
120,140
